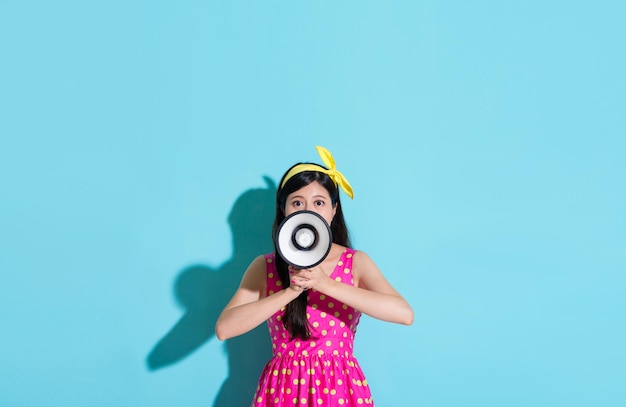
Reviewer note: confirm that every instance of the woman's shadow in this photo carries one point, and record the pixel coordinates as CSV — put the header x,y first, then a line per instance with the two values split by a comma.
x,y
203,292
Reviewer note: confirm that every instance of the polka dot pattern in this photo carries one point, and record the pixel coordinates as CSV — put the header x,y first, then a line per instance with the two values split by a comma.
x,y
322,370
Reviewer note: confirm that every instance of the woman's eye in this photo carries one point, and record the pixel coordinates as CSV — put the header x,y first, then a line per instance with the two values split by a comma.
x,y
319,203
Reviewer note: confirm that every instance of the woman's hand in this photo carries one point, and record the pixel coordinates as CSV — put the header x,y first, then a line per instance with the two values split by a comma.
x,y
304,279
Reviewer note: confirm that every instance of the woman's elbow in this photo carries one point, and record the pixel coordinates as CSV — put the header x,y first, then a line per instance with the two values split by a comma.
x,y
221,332
406,317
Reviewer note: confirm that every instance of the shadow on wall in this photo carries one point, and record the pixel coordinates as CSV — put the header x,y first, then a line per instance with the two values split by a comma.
x,y
203,292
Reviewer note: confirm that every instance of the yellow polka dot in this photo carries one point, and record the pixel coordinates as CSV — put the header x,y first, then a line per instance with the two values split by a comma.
x,y
322,297
328,343
324,332
331,305
333,392
337,314
359,400
323,314
298,344
320,401
345,306
279,283
331,323
337,278
346,271
271,292
340,263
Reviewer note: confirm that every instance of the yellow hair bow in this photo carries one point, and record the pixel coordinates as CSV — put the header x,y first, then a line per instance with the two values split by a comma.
x,y
329,161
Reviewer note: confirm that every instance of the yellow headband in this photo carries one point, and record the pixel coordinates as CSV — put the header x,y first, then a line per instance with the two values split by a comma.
x,y
329,161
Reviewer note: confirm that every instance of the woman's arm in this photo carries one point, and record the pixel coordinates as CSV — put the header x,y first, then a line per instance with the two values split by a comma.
x,y
249,307
373,294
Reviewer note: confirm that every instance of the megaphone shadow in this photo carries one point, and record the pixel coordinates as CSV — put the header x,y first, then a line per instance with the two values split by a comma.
x,y
203,292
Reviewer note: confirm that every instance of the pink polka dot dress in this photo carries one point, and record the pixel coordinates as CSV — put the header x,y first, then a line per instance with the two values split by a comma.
x,y
322,370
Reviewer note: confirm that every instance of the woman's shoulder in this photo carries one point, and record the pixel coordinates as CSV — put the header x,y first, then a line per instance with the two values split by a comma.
x,y
362,262
360,255
355,254
255,277
259,264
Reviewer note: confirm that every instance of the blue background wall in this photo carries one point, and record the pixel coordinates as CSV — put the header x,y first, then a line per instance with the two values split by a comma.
x,y
484,140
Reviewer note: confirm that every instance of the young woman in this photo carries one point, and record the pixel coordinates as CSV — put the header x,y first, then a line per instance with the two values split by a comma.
x,y
312,314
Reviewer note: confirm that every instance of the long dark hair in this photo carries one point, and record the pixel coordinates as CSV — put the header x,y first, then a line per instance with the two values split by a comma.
x,y
295,320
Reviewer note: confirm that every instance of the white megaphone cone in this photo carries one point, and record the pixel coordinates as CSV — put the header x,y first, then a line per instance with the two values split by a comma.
x,y
303,239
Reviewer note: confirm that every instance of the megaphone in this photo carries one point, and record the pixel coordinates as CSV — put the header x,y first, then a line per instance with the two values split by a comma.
x,y
303,239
